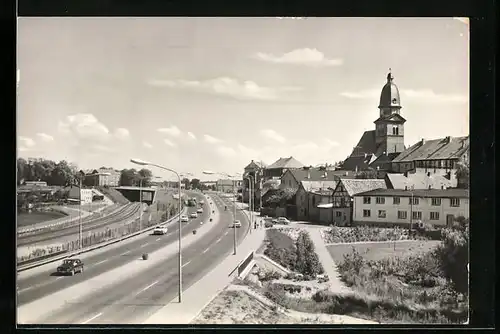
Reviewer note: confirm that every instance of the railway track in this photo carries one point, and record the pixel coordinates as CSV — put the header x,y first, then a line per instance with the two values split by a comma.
x,y
127,213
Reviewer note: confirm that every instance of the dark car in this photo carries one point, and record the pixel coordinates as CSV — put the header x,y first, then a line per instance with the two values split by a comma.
x,y
70,266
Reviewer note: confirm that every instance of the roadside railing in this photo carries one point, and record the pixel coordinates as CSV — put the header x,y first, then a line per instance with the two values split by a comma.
x,y
91,241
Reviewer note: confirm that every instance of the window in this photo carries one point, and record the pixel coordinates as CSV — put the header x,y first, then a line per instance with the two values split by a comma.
x,y
434,215
381,213
367,200
415,200
380,200
402,215
455,202
436,201
366,213
395,130
338,214
417,215
396,200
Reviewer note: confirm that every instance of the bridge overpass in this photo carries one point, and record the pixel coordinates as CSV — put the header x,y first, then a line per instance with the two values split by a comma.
x,y
133,194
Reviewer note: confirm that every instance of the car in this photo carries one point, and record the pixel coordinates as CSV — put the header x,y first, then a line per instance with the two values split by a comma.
x,y
70,266
184,218
281,220
200,210
160,230
193,215
237,224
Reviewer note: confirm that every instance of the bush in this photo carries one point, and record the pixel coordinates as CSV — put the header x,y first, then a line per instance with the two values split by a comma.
x,y
271,275
337,234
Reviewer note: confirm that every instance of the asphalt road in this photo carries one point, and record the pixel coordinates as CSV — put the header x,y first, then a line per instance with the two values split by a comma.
x,y
134,299
32,287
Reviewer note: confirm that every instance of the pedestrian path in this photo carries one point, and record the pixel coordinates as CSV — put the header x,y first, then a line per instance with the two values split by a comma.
x,y
207,288
336,285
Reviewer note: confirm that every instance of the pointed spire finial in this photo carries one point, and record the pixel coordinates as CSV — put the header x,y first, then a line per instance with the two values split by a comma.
x,y
389,75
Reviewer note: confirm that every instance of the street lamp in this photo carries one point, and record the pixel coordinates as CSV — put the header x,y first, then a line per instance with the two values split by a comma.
x,y
144,163
234,205
251,200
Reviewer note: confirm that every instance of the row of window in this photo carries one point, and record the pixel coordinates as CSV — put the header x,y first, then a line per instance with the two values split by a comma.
x,y
454,202
449,164
403,214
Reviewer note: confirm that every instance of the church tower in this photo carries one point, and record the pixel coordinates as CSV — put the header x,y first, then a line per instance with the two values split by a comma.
x,y
389,127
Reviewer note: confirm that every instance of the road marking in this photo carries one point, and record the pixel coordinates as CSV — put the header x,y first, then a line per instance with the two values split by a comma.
x,y
206,250
150,285
89,320
144,245
158,239
218,240
125,253
185,264
100,262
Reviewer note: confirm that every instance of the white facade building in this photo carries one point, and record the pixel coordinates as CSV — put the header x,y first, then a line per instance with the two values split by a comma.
x,y
86,196
437,207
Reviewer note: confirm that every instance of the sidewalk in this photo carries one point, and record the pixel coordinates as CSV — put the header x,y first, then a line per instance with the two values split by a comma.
x,y
201,293
336,285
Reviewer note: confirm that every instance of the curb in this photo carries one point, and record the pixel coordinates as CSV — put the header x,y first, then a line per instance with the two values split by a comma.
x,y
104,244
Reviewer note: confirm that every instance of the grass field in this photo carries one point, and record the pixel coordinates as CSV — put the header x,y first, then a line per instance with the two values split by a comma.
x,y
380,250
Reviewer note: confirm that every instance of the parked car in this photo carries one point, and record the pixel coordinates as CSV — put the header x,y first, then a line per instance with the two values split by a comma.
x,y
281,220
160,230
200,210
184,218
70,266
193,215
236,224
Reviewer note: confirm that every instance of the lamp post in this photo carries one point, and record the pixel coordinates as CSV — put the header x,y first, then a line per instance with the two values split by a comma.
x,y
251,199
144,163
234,205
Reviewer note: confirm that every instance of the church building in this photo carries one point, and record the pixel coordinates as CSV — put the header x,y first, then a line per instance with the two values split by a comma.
x,y
377,148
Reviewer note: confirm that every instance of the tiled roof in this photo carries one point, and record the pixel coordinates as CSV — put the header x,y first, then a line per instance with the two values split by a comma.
x,y
436,149
289,162
359,162
258,164
312,174
318,185
447,193
356,186
366,144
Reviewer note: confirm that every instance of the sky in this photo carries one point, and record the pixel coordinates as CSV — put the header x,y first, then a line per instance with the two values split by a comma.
x,y
211,94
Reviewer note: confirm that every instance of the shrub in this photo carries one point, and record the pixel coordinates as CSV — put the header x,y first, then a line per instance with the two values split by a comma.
x,y
307,260
271,275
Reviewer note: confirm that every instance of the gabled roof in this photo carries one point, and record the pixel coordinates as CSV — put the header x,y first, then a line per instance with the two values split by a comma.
x,y
383,159
366,144
356,186
397,118
436,149
255,164
422,193
289,162
107,170
312,174
318,185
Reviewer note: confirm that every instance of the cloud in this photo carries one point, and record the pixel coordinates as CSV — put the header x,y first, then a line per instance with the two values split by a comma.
x,y
424,95
25,144
45,137
212,140
226,151
306,56
146,144
246,90
171,131
122,133
191,135
169,143
331,143
83,126
271,134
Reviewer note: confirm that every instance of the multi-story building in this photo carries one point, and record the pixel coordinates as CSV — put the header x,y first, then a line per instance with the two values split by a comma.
x,y
434,157
83,195
438,207
293,177
309,195
253,171
343,196
279,167
101,177
417,181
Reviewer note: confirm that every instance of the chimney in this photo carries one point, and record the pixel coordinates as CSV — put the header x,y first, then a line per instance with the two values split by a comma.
x,y
422,142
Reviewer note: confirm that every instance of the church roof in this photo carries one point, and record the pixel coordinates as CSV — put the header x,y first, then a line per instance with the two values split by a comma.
x,y
366,144
436,149
289,162
396,118
255,164
360,162
389,97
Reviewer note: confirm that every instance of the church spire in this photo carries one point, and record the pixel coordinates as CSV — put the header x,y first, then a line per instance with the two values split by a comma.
x,y
389,76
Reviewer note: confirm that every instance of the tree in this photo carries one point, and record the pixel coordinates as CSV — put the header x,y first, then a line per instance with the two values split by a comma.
x,y
61,174
462,175
22,169
128,177
185,182
307,261
145,175
195,184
